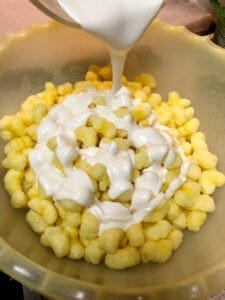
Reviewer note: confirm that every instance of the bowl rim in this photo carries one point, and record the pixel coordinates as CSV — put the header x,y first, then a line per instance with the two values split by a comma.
x,y
16,264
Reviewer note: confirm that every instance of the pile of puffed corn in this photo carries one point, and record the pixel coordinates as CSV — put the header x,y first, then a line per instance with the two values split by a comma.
x,y
71,230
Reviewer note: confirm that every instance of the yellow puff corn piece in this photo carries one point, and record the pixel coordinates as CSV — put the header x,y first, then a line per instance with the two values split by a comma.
x,y
141,94
5,122
180,221
6,135
175,99
154,100
125,196
103,126
135,235
57,239
104,183
94,68
122,112
70,205
156,251
122,144
13,180
18,127
142,158
173,211
186,146
73,232
19,199
16,161
76,250
211,179
191,126
39,112
49,86
134,86
163,113
18,144
91,75
36,192
89,226
93,253
204,203
146,79
158,230
176,163
73,219
178,115
81,86
205,159
187,195
123,258
158,214
176,237
121,133
32,132
194,171
141,112
189,112
170,177
87,136
195,220
41,212
198,141
110,239
36,221
106,72
99,100
98,171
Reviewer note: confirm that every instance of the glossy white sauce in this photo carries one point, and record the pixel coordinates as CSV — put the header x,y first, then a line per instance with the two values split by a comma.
x,y
119,165
74,184
120,24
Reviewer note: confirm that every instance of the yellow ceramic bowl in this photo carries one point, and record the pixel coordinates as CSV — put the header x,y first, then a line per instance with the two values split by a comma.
x,y
179,60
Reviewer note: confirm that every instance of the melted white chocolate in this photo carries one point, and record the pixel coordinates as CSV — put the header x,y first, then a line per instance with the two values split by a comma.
x,y
75,184
120,24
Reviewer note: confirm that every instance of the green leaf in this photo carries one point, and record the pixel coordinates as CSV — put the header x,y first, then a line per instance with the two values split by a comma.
x,y
219,8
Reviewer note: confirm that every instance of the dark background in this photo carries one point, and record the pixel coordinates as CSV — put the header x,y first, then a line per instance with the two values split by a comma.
x,y
16,291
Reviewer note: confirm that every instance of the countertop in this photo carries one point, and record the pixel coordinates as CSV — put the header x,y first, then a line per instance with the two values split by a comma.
x,y
16,15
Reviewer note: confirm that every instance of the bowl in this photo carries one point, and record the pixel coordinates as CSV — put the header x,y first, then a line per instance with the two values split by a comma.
x,y
54,10
180,61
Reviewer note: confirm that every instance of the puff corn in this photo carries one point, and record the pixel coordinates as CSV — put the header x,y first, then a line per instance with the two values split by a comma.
x,y
71,230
